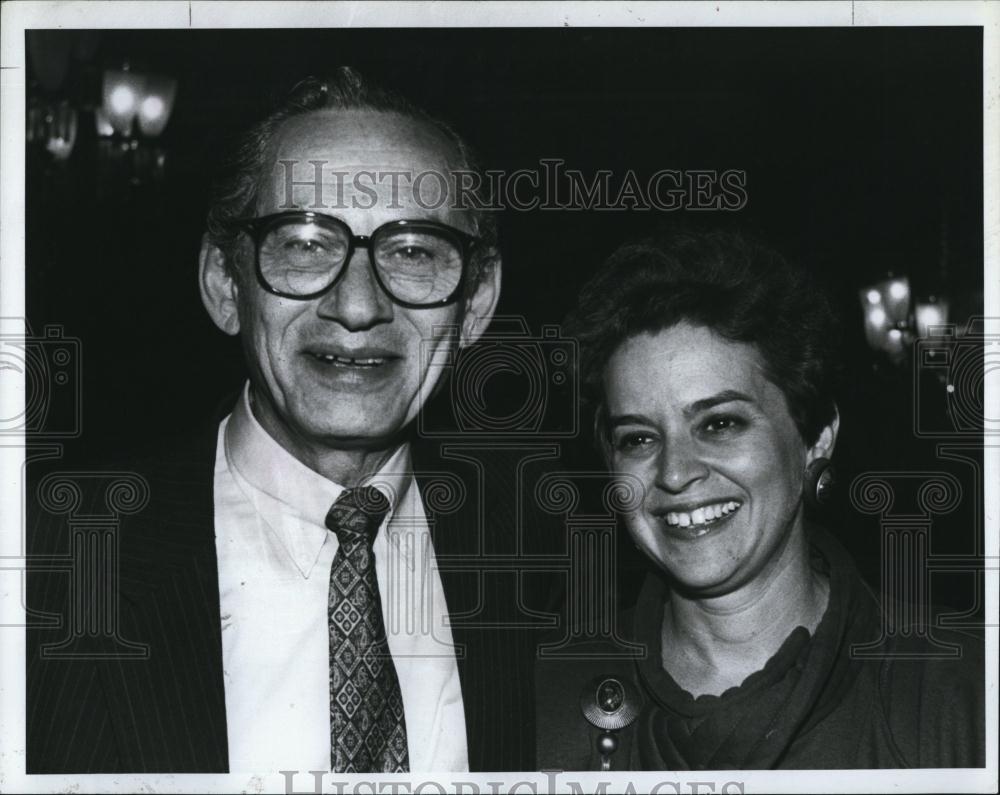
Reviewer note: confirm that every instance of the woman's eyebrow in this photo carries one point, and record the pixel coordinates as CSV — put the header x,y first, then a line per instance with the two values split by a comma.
x,y
628,419
725,396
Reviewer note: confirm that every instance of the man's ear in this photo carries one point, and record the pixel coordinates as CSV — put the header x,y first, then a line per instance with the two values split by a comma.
x,y
827,440
219,290
481,305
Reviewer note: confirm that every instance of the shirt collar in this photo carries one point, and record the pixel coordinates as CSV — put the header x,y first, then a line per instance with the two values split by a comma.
x,y
305,494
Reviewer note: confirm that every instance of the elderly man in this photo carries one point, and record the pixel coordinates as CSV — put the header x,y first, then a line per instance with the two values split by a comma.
x,y
284,582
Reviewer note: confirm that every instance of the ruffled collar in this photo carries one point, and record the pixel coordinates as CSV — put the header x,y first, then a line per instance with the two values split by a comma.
x,y
751,725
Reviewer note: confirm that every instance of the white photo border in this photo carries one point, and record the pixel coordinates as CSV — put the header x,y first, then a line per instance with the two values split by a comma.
x,y
19,16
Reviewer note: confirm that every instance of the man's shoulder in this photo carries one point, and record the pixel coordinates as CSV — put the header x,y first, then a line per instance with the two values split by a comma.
x,y
191,451
139,482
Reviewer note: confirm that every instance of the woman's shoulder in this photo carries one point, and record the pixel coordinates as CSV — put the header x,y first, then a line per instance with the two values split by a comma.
x,y
931,685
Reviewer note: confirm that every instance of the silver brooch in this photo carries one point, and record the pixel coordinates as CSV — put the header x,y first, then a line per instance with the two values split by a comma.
x,y
610,704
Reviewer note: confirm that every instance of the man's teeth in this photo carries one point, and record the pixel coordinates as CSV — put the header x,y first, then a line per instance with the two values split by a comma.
x,y
706,514
366,362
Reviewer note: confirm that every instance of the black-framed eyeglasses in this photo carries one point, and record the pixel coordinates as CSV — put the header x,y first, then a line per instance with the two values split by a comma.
x,y
301,254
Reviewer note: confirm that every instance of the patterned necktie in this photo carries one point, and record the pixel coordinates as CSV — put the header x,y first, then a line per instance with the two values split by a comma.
x,y
367,725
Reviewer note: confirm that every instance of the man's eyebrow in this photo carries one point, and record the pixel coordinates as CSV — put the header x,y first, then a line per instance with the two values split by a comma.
x,y
725,396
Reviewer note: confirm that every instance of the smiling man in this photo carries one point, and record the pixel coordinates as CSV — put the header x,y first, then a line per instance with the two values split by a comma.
x,y
288,580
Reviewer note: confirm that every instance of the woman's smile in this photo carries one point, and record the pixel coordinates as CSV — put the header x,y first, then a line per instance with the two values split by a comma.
x,y
697,523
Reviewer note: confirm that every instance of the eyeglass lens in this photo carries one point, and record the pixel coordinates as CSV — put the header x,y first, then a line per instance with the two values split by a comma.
x,y
415,264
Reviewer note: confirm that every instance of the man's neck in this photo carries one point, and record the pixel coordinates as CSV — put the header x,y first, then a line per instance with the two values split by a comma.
x,y
709,645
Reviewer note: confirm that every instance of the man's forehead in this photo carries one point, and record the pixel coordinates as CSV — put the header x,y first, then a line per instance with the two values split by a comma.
x,y
367,167
362,139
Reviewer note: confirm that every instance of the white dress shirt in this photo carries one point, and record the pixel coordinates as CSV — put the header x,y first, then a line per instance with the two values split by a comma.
x,y
275,555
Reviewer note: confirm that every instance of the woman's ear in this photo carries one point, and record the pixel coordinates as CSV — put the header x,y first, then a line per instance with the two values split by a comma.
x,y
219,288
827,441
481,305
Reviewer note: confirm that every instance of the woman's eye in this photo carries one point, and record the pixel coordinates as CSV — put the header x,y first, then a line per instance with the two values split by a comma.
x,y
723,423
633,441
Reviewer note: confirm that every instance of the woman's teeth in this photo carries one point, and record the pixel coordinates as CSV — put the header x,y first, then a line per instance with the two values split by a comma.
x,y
329,358
706,514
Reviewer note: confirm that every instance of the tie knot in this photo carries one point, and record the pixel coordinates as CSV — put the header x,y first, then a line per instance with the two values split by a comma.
x,y
357,514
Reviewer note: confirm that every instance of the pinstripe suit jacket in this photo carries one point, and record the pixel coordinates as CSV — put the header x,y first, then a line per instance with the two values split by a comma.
x,y
135,684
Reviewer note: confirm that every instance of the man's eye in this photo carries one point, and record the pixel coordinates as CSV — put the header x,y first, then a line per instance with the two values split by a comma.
x,y
411,254
304,241
304,245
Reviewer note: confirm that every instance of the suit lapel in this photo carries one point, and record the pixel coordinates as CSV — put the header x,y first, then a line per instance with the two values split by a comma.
x,y
454,536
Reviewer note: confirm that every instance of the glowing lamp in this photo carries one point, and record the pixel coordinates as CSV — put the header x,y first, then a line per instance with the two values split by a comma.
x,y
101,124
899,290
62,132
123,93
930,315
876,324
156,105
886,308
896,295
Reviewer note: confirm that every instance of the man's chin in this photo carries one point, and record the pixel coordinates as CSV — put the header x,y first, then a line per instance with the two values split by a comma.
x,y
352,434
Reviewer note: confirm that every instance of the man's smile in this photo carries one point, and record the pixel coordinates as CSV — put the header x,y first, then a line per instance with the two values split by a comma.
x,y
366,367
353,357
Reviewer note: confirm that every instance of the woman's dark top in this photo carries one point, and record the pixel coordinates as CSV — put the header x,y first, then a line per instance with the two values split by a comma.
x,y
849,696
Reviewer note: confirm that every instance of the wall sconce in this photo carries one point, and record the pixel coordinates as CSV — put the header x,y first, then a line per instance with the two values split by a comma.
x,y
930,315
129,96
130,111
101,123
52,125
62,131
157,105
890,327
123,92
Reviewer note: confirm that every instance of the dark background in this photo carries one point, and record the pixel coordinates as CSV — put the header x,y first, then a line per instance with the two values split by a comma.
x,y
862,149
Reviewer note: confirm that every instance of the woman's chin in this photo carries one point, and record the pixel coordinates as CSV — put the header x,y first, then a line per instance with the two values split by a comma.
x,y
697,575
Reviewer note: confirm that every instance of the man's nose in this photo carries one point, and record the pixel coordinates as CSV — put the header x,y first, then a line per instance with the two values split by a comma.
x,y
680,465
357,301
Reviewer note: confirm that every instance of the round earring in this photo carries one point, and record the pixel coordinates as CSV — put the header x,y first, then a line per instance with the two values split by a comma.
x,y
819,483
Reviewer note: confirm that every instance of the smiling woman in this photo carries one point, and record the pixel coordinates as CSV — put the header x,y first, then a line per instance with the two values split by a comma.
x,y
710,362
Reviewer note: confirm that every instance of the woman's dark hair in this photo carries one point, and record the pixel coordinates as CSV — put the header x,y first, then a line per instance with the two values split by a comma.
x,y
235,188
738,288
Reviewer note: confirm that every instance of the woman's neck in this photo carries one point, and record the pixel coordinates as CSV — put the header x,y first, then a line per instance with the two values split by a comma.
x,y
710,645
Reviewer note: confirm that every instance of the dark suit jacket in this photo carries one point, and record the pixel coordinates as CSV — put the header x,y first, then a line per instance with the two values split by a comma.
x,y
150,697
